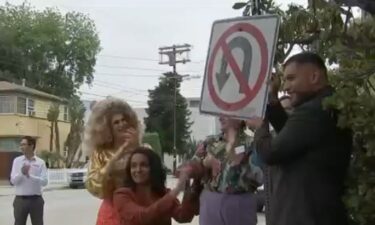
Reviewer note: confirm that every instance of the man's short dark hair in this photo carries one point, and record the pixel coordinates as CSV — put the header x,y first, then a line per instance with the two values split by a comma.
x,y
30,140
307,58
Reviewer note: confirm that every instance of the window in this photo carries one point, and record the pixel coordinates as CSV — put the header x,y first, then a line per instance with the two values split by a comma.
x,y
7,104
30,107
66,115
13,104
25,106
21,105
194,104
9,144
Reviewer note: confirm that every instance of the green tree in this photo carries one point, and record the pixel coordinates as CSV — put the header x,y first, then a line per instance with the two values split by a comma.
x,y
160,114
73,141
354,80
55,53
347,44
154,141
52,159
191,147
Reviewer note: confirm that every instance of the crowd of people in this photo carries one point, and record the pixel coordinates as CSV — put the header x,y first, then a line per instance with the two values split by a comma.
x,y
303,164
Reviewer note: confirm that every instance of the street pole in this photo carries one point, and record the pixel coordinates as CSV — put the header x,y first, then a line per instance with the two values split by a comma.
x,y
171,52
256,7
174,113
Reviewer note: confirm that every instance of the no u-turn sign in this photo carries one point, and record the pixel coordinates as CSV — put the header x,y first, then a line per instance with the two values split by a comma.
x,y
238,65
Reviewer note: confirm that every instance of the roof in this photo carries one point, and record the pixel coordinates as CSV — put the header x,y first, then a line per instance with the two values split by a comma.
x,y
11,87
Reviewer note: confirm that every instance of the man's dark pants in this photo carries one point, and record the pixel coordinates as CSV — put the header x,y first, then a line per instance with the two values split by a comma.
x,y
25,205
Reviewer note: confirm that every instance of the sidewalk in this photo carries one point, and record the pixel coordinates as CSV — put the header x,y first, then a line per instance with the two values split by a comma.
x,y
6,190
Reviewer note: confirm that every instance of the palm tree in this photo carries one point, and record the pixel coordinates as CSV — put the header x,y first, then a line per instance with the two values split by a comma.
x,y
74,139
53,116
191,147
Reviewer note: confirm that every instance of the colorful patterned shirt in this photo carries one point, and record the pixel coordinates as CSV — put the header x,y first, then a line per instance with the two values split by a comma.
x,y
241,178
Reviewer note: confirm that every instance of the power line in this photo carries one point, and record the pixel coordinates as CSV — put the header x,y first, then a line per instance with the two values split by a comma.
x,y
141,58
93,94
117,85
127,75
140,68
131,68
133,91
105,96
130,58
140,76
111,66
121,89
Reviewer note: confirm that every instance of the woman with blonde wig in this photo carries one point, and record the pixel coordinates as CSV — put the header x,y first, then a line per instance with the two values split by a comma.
x,y
111,133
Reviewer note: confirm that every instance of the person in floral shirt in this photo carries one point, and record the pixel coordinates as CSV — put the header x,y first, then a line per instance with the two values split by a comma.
x,y
223,163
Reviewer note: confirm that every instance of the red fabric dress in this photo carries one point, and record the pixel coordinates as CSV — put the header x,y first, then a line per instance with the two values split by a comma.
x,y
137,209
107,214
101,186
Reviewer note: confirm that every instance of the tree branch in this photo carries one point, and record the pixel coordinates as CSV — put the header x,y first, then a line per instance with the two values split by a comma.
x,y
288,51
302,41
366,5
355,44
348,16
362,75
371,85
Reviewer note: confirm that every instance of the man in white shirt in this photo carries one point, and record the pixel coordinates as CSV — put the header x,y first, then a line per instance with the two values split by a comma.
x,y
29,175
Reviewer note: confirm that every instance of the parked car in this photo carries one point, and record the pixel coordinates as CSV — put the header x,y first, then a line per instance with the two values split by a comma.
x,y
77,177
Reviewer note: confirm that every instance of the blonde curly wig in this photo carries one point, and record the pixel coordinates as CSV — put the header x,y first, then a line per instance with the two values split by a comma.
x,y
98,131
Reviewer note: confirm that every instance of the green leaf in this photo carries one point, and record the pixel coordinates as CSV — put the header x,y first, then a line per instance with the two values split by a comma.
x,y
239,5
56,53
351,47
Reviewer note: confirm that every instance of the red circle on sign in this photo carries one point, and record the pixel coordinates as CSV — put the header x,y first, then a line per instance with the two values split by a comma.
x,y
251,92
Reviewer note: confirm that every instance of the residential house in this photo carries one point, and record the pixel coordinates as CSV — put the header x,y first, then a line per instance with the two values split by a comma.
x,y
23,111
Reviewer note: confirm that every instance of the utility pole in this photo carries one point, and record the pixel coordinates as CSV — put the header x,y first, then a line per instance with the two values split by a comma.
x,y
255,8
175,55
252,7
314,46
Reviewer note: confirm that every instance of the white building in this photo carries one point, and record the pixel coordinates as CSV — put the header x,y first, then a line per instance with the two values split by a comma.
x,y
141,113
86,104
203,125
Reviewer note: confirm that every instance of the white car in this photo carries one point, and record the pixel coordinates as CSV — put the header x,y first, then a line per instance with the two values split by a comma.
x,y
77,177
